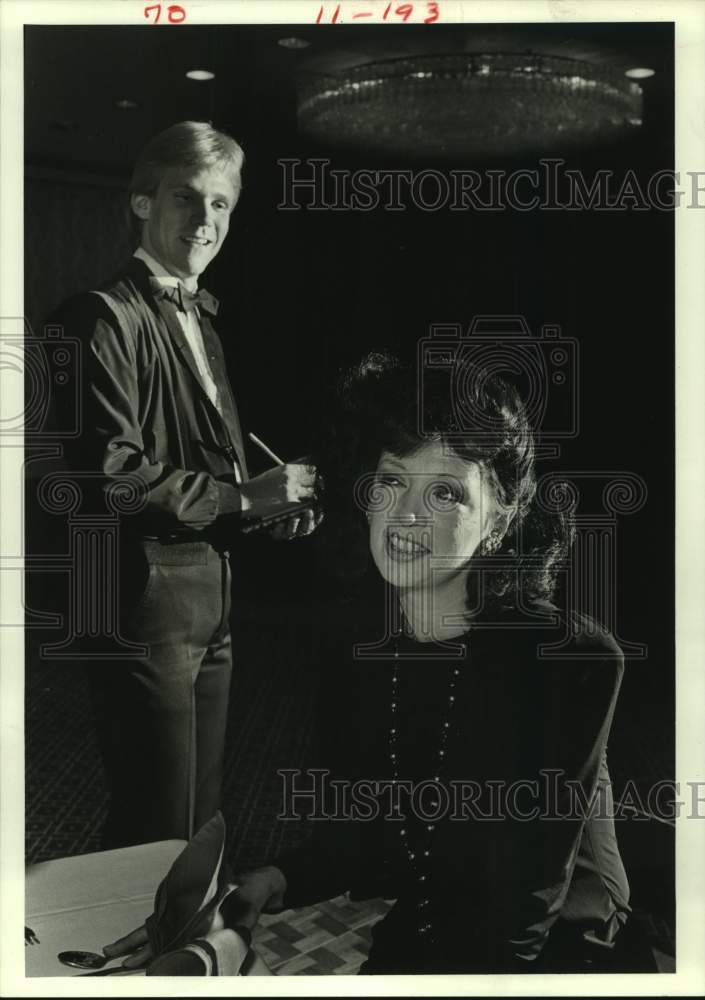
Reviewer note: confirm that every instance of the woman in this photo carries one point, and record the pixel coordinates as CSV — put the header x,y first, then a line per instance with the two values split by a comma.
x,y
486,752
467,774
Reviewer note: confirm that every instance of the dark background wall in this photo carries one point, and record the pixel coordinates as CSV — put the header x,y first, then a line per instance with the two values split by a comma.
x,y
74,237
303,294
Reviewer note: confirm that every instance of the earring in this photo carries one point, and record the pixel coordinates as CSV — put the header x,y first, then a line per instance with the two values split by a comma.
x,y
491,543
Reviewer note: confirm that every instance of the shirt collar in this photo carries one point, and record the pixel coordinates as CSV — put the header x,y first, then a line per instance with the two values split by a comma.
x,y
165,279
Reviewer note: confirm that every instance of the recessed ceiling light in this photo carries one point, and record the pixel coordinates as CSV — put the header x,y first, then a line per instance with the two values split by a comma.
x,y
200,74
293,43
640,73
124,102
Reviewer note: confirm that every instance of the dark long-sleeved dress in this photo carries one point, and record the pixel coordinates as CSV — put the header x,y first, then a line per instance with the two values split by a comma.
x,y
516,867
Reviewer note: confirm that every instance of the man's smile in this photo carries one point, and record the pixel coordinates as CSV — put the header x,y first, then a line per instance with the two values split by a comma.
x,y
197,241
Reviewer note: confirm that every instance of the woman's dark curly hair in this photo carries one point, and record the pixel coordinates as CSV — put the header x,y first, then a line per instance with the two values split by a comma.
x,y
382,405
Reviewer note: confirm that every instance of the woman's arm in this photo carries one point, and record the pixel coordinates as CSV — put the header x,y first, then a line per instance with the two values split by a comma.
x,y
571,743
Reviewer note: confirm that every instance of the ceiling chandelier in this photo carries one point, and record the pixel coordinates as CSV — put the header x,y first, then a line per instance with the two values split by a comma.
x,y
470,103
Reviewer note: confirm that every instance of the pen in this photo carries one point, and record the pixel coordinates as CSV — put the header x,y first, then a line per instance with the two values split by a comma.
x,y
265,449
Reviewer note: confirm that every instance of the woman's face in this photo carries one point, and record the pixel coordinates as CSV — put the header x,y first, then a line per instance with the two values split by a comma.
x,y
436,510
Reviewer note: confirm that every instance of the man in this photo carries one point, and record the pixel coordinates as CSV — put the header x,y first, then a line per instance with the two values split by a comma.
x,y
158,411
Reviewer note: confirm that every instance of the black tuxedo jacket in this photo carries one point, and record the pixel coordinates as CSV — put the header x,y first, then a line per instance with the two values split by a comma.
x,y
146,415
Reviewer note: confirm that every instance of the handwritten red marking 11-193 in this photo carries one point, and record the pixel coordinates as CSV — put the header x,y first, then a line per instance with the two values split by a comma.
x,y
426,12
175,14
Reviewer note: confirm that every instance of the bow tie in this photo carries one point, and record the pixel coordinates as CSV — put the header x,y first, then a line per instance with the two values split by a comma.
x,y
184,300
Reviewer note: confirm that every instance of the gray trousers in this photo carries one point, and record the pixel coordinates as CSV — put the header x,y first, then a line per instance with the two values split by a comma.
x,y
161,719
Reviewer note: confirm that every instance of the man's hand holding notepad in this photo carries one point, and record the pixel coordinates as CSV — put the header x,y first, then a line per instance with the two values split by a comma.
x,y
281,498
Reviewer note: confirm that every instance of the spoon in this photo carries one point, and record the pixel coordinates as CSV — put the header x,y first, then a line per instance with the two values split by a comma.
x,y
83,959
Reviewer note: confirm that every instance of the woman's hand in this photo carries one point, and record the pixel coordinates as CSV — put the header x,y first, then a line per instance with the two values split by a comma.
x,y
259,891
137,947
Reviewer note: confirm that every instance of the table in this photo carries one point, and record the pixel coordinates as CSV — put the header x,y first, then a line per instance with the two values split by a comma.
x,y
85,902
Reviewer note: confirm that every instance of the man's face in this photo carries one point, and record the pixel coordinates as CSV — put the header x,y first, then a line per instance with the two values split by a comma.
x,y
187,219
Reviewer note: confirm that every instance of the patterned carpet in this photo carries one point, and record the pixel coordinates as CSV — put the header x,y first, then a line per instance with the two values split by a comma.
x,y
332,938
271,720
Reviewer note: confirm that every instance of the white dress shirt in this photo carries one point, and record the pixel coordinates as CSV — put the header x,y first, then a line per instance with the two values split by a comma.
x,y
189,324
192,331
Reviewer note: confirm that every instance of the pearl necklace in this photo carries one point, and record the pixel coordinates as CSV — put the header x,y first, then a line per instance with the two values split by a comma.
x,y
420,859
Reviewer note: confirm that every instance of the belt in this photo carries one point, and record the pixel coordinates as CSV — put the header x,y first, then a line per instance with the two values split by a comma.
x,y
207,539
176,538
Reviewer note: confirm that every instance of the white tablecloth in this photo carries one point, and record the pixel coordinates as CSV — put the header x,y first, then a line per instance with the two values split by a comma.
x,y
85,902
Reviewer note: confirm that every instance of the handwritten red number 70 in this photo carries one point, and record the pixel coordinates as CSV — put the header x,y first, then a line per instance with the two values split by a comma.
x,y
174,13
